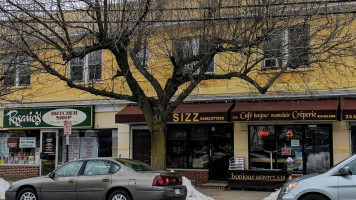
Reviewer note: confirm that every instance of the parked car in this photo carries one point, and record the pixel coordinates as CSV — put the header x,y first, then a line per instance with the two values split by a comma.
x,y
100,179
338,183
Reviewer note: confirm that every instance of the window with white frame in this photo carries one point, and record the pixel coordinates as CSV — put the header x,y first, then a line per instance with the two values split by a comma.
x,y
86,69
17,70
289,45
189,47
142,55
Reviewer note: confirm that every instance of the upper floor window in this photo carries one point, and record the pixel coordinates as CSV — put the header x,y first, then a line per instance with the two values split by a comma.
x,y
17,70
86,69
289,45
187,48
142,55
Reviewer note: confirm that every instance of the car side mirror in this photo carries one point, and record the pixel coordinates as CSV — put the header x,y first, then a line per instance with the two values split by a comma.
x,y
51,175
344,171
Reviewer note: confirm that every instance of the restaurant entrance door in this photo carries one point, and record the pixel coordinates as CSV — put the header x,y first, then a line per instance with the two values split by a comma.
x,y
220,152
317,149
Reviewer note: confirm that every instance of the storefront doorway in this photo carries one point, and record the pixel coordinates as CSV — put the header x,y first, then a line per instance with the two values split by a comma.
x,y
141,140
300,149
200,147
49,146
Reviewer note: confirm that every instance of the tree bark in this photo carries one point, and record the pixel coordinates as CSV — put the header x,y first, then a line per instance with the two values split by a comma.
x,y
158,145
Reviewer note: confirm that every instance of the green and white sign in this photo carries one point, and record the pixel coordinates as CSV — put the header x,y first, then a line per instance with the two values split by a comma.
x,y
81,117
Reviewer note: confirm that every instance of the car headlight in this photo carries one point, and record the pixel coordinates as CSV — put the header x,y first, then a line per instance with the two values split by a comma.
x,y
288,187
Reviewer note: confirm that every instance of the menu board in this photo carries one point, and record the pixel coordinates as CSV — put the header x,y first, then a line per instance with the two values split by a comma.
x,y
73,147
89,147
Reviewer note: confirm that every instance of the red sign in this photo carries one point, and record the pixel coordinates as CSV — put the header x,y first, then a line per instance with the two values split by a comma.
x,y
286,151
67,127
262,133
12,143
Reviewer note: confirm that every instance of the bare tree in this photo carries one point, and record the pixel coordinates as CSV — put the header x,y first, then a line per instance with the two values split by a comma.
x,y
256,41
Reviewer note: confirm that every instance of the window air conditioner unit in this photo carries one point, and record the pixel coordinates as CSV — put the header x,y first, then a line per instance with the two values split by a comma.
x,y
270,63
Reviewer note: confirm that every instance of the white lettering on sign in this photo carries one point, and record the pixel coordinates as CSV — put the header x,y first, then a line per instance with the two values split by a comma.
x,y
58,116
16,119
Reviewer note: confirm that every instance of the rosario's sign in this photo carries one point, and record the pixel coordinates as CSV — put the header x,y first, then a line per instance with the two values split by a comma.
x,y
48,117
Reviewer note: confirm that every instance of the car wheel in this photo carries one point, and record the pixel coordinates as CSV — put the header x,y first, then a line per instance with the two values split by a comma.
x,y
119,195
313,197
27,194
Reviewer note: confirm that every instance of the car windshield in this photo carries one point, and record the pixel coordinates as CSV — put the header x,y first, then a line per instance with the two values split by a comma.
x,y
136,165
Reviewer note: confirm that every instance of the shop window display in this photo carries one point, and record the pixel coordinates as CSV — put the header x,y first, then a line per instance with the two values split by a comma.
x,y
19,147
299,149
86,143
189,146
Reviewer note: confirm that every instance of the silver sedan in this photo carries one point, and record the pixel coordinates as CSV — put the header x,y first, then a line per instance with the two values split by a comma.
x,y
100,179
336,184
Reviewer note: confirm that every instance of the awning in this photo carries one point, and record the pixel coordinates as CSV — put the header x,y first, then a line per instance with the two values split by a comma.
x,y
286,110
218,112
349,109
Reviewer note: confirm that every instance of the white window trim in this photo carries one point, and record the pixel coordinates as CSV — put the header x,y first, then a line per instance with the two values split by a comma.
x,y
17,74
285,52
86,69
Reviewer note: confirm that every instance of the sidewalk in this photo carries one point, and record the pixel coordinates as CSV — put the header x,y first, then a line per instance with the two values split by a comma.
x,y
235,194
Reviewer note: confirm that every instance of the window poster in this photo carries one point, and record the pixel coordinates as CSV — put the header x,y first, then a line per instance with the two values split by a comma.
x,y
73,147
89,147
4,151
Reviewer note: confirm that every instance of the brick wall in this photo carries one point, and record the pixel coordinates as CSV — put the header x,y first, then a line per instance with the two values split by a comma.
x,y
200,177
14,173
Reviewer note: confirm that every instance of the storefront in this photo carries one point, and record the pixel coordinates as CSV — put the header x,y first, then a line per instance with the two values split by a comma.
x,y
199,139
291,136
298,137
32,140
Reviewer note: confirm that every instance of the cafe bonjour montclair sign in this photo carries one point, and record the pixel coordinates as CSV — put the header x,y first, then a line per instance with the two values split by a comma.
x,y
51,117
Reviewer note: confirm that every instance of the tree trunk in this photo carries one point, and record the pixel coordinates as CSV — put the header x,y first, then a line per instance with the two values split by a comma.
x,y
158,145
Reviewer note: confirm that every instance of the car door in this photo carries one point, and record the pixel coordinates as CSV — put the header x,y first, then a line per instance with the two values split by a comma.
x,y
347,184
95,180
62,185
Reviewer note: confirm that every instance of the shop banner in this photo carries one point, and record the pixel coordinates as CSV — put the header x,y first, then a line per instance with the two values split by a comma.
x,y
80,117
12,143
27,142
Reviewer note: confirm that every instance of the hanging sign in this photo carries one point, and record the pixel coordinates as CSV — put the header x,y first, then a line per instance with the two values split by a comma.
x,y
263,133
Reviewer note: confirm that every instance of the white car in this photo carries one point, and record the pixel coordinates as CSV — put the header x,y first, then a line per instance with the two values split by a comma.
x,y
339,183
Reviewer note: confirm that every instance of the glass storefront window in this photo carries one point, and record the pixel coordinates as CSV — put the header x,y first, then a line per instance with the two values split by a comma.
x,y
86,143
301,149
190,146
262,142
19,147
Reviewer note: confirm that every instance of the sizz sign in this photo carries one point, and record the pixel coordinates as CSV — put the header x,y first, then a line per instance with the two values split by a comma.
x,y
48,117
